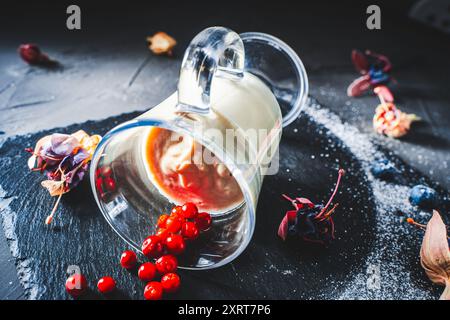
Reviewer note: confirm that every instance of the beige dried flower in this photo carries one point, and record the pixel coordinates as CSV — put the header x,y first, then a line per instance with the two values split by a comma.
x,y
391,121
161,43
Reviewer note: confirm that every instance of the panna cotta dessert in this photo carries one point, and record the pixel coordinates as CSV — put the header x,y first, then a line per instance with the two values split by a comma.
x,y
174,161
178,171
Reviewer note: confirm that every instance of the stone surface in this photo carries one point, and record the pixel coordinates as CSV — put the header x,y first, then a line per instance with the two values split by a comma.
x,y
107,70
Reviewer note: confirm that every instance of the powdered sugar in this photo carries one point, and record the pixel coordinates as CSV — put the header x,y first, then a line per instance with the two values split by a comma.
x,y
386,274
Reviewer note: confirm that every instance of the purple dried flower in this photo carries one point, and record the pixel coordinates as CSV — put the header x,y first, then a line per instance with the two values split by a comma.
x,y
64,159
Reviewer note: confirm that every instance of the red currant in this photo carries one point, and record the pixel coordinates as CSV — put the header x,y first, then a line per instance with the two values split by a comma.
x,y
176,211
175,244
99,184
162,220
166,264
189,210
153,291
106,284
128,259
147,271
203,221
189,230
152,247
110,184
76,285
173,224
163,233
170,282
106,171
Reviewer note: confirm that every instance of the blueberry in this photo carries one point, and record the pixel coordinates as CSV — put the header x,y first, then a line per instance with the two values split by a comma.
x,y
423,196
383,169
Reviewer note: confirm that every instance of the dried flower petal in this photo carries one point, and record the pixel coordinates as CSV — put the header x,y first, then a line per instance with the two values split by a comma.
x,y
360,61
359,86
63,144
435,253
55,188
31,54
161,43
284,225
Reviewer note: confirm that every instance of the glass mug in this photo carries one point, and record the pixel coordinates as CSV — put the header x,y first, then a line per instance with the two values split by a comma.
x,y
231,88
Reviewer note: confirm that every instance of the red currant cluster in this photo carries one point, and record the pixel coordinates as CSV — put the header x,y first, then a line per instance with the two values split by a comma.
x,y
165,265
183,224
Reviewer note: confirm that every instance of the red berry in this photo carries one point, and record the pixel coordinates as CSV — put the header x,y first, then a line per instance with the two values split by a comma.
x,y
189,210
203,221
147,271
189,230
110,184
106,171
170,282
162,220
152,247
99,184
175,244
173,224
76,285
163,233
176,210
106,284
166,264
153,291
128,259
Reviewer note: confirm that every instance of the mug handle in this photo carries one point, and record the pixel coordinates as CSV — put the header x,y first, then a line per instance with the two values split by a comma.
x,y
290,85
216,51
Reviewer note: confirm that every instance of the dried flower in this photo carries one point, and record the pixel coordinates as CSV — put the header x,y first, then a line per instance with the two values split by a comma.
x,y
309,222
391,121
64,159
161,43
388,119
374,69
31,54
435,252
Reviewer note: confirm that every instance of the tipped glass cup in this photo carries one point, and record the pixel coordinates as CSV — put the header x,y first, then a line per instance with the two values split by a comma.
x,y
230,85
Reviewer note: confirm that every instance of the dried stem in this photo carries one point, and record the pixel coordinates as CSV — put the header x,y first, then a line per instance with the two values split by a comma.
x,y
49,219
341,173
286,197
420,226
380,96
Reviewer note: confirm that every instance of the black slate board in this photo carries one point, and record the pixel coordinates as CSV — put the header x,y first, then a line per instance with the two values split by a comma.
x,y
268,268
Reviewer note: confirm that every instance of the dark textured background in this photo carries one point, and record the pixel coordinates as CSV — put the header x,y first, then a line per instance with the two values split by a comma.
x,y
107,70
